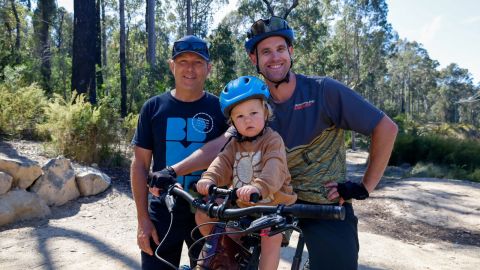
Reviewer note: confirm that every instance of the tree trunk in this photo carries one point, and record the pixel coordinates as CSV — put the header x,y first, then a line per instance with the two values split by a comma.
x,y
151,33
45,9
123,68
104,36
189,18
98,46
83,59
62,52
17,38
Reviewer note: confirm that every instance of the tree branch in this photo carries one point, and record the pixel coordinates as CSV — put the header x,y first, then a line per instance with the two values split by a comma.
x,y
269,7
294,5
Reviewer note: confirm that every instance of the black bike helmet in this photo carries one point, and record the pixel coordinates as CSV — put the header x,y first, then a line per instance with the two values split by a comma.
x,y
264,28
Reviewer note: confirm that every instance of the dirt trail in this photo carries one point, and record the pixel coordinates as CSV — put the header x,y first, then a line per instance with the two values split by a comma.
x,y
405,224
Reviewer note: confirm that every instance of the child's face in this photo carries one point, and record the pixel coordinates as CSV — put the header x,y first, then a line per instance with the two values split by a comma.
x,y
249,117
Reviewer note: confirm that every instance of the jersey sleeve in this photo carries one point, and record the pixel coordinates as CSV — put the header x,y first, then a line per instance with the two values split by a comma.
x,y
348,110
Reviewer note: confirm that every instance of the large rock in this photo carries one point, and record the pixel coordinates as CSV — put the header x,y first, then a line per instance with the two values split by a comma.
x,y
91,181
23,170
57,185
19,204
6,181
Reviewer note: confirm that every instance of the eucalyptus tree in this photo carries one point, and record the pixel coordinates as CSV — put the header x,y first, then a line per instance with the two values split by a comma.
x,y
455,84
84,41
123,68
411,78
222,53
61,50
196,15
43,19
152,40
359,45
18,30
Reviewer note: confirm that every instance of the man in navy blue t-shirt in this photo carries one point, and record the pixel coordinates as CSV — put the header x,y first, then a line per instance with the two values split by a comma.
x,y
170,127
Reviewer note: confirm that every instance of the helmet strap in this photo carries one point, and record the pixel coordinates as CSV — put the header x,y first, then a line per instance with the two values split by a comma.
x,y
240,138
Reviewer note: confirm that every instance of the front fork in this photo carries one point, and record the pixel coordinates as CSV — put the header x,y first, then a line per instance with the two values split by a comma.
x,y
297,259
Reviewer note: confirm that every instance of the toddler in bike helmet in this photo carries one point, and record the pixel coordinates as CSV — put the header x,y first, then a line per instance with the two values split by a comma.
x,y
254,162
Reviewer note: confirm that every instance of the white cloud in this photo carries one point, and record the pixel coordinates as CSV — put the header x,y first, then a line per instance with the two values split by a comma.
x,y
429,30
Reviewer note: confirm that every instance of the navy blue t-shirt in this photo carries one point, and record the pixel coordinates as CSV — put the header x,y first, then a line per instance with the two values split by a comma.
x,y
174,129
312,123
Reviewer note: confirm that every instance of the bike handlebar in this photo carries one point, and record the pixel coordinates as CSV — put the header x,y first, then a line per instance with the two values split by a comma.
x,y
213,190
297,210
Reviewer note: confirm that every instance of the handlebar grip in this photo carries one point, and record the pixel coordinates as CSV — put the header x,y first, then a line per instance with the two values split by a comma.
x,y
212,189
316,211
255,197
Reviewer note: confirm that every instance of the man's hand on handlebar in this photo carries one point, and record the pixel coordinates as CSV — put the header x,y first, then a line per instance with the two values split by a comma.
x,y
160,180
203,185
244,193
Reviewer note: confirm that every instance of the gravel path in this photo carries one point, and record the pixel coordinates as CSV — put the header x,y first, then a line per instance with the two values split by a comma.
x,y
405,224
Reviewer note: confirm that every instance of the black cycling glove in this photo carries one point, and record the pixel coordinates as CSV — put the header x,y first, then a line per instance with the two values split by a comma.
x,y
162,179
349,190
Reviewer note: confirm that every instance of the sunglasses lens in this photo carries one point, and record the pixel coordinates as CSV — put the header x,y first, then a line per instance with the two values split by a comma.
x,y
265,26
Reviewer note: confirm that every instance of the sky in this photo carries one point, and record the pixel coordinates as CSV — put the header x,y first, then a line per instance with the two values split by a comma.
x,y
448,29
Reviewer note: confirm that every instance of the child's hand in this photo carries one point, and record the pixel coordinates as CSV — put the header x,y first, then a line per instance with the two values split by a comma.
x,y
244,192
203,185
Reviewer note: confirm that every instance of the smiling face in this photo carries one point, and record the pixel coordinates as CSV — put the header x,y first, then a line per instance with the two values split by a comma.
x,y
190,72
249,117
273,58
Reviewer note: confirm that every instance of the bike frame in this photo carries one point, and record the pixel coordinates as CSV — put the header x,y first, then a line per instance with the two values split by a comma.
x,y
278,225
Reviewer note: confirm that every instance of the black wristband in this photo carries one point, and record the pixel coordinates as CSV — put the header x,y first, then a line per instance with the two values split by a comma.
x,y
171,171
350,190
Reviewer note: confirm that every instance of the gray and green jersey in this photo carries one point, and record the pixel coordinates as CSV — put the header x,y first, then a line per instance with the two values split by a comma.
x,y
312,124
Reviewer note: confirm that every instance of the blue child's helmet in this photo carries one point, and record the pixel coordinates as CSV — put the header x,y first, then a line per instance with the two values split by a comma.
x,y
241,89
264,28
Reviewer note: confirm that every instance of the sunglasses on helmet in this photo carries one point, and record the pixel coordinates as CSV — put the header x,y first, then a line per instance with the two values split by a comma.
x,y
265,26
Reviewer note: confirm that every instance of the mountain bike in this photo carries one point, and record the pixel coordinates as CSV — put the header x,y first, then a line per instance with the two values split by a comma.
x,y
219,250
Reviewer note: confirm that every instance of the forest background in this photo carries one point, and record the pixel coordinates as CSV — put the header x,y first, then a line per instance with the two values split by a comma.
x,y
78,80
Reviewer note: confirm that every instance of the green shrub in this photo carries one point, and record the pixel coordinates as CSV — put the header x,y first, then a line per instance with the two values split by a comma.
x,y
428,170
129,126
475,175
460,157
21,110
81,131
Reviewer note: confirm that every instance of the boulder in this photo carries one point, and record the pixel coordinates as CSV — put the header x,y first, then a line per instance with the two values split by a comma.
x,y
91,181
23,170
19,204
57,184
6,181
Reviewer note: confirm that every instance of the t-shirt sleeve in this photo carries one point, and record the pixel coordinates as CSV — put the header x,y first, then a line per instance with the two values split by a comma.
x,y
143,134
348,110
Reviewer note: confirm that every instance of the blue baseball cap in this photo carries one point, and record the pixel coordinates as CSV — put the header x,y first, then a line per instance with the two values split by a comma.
x,y
191,44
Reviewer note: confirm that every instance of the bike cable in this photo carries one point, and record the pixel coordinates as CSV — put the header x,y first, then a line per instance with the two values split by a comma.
x,y
161,242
